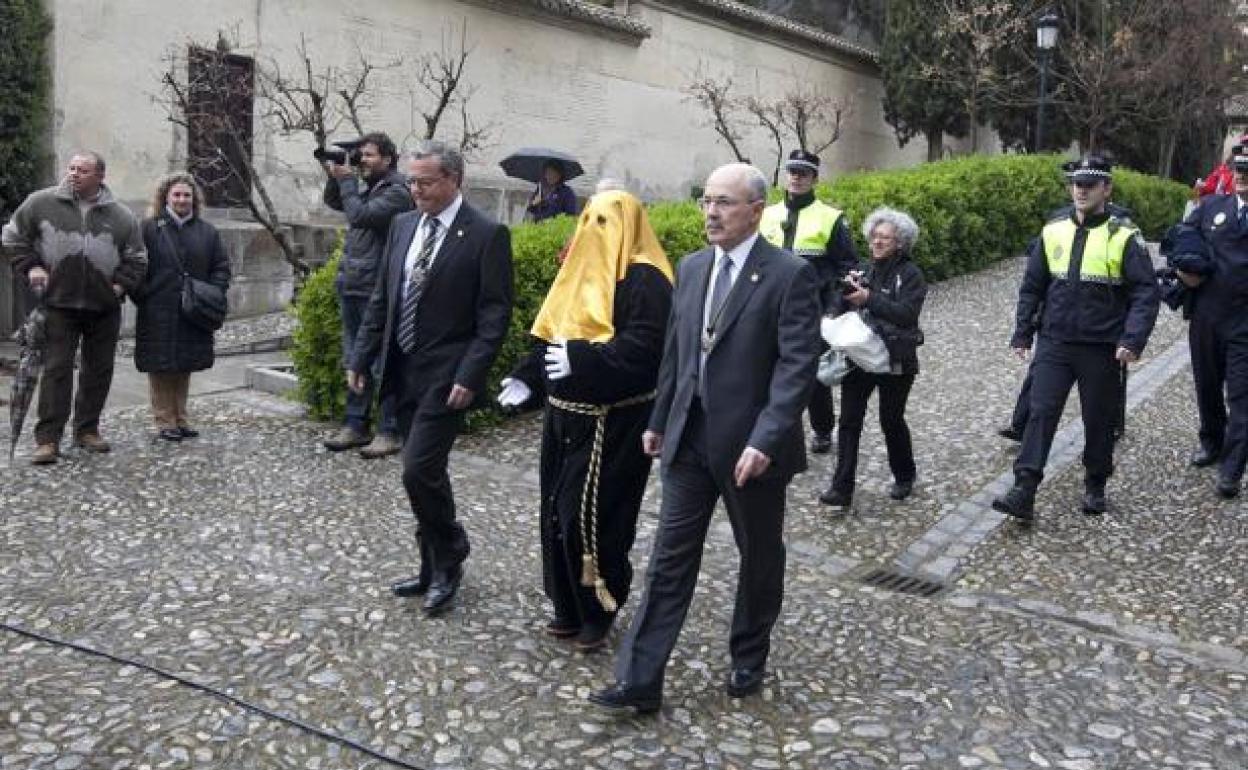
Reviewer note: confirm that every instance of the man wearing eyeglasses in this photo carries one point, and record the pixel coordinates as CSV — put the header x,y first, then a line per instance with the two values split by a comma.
x,y
738,364
435,322
1095,280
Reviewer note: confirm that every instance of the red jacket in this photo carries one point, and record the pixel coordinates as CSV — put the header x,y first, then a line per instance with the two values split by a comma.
x,y
1221,181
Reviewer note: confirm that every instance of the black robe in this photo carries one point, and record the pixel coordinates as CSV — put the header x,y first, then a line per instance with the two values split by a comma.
x,y
604,373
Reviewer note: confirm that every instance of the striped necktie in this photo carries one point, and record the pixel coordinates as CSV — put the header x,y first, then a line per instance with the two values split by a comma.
x,y
416,286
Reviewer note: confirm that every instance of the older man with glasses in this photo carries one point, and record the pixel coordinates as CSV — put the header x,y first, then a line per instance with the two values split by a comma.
x,y
738,364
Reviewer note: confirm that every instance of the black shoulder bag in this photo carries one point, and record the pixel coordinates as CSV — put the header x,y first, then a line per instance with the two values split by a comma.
x,y
204,304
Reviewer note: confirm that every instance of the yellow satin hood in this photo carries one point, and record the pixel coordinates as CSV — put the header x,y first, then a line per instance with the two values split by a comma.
x,y
612,235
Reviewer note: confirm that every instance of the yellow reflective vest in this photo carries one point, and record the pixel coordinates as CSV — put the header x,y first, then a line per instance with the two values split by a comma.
x,y
814,227
1102,251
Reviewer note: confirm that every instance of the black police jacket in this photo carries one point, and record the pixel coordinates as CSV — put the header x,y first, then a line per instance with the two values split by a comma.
x,y
1226,285
1087,311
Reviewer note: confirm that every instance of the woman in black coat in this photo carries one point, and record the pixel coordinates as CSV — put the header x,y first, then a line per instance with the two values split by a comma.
x,y
889,295
167,346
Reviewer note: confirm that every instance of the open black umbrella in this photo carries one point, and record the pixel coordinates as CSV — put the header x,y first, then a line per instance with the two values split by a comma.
x,y
528,162
31,339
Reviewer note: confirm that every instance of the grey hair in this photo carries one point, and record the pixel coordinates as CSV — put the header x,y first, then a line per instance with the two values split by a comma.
x,y
95,157
450,159
606,184
907,228
755,182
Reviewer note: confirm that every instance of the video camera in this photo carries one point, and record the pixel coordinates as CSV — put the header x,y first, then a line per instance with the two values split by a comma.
x,y
349,153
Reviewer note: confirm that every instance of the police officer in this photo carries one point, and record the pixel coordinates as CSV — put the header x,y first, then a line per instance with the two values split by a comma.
x,y
1095,279
813,230
1218,333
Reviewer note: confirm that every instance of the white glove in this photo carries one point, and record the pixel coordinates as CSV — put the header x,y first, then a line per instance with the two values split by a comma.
x,y
514,393
557,364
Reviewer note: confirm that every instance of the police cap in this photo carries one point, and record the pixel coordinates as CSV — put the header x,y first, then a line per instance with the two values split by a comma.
x,y
1089,168
1239,157
800,160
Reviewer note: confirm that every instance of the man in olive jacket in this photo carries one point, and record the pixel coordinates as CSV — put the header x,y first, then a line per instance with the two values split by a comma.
x,y
84,251
370,204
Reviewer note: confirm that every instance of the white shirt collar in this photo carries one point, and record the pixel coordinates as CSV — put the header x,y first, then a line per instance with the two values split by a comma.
x,y
446,217
738,253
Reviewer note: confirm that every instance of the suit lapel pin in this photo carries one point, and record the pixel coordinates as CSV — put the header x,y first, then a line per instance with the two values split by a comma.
x,y
753,277
459,233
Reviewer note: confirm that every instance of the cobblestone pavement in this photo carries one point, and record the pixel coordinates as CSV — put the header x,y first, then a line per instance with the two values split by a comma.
x,y
252,561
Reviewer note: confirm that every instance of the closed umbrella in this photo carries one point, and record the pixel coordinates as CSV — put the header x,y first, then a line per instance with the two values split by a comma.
x,y
31,339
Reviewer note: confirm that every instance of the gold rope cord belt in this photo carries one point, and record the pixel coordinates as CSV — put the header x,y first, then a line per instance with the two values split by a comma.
x,y
590,576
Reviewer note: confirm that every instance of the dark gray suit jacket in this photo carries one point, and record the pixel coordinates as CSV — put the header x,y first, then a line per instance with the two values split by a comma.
x,y
463,313
758,375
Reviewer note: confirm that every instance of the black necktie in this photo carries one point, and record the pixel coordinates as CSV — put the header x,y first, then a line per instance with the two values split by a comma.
x,y
416,286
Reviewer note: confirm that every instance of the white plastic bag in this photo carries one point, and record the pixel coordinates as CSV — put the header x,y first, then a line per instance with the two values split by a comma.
x,y
849,334
833,366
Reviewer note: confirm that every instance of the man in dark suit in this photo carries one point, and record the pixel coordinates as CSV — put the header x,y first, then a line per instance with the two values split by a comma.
x,y
436,318
738,365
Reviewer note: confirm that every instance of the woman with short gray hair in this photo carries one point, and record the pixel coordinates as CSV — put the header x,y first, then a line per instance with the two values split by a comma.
x,y
889,295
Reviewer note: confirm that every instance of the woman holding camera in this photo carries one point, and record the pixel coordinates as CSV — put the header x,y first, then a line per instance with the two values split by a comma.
x,y
889,295
167,345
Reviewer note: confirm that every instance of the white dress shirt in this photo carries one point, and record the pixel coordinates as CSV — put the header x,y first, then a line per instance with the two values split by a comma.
x,y
445,218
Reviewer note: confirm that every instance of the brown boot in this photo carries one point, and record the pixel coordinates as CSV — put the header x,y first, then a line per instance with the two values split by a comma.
x,y
347,438
382,446
93,442
45,454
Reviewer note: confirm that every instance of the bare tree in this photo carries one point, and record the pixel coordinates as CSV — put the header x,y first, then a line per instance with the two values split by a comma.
x,y
716,98
815,118
770,118
209,92
440,87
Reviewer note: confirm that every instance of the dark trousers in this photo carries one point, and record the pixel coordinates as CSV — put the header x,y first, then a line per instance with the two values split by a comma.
x,y
1234,332
430,434
98,334
359,405
855,393
1022,406
822,409
1208,350
1058,366
756,513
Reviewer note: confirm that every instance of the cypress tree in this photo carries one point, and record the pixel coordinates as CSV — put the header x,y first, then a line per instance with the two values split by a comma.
x,y
24,84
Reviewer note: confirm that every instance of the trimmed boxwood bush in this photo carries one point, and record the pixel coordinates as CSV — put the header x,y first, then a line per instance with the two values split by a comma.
x,y
972,212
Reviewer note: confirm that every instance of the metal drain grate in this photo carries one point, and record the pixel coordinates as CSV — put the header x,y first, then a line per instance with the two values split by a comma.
x,y
900,582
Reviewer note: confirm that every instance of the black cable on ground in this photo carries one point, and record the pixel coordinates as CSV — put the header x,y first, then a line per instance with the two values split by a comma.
x,y
298,724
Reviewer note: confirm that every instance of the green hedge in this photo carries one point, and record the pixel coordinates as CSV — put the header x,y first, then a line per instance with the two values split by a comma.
x,y
972,212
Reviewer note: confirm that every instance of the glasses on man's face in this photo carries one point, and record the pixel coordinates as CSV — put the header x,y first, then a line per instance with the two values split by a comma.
x,y
423,182
718,203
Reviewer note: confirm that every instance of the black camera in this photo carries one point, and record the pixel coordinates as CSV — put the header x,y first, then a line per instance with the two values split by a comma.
x,y
349,152
848,286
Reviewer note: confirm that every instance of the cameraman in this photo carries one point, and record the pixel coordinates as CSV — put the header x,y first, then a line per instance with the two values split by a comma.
x,y
371,195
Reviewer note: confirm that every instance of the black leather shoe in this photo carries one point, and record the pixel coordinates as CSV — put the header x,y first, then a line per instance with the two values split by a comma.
x,y
744,681
1010,432
1204,457
619,699
1227,488
1019,502
1094,502
171,434
821,443
442,590
900,490
416,586
836,499
188,432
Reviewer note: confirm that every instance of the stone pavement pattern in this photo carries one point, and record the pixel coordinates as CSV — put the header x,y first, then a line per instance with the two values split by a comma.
x,y
252,561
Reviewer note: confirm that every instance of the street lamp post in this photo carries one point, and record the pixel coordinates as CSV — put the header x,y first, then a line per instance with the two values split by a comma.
x,y
1046,41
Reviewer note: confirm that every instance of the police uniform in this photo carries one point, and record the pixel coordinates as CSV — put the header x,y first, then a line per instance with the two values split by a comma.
x,y
1218,334
815,231
1095,281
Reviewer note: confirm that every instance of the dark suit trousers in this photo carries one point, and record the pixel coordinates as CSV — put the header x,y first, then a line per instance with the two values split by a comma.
x,y
756,513
1059,366
1208,351
430,434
